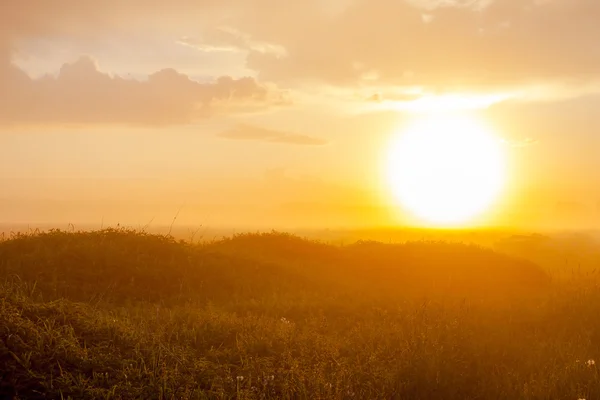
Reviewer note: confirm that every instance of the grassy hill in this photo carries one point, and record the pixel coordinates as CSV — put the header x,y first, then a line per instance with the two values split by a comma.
x,y
119,314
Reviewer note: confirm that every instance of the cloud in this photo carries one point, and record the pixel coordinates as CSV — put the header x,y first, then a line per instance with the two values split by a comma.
x,y
520,143
433,4
442,45
574,120
464,44
208,48
391,96
228,39
255,133
82,94
299,139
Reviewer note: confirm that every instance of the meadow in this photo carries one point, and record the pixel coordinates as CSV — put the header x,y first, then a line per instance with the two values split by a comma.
x,y
124,314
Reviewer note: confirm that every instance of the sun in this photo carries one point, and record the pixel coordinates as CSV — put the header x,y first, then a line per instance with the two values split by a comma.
x,y
447,170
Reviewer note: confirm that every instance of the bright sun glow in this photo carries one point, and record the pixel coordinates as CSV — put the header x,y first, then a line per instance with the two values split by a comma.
x,y
447,170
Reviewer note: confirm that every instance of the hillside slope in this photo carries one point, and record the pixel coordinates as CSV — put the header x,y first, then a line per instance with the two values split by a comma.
x,y
117,314
125,266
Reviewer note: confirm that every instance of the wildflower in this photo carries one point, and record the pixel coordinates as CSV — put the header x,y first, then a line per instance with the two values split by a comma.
x,y
590,363
240,378
285,320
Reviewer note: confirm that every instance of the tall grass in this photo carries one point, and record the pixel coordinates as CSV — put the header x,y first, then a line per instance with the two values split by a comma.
x,y
118,314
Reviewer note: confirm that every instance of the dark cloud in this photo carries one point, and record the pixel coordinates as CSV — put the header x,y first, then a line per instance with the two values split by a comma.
x,y
255,133
82,94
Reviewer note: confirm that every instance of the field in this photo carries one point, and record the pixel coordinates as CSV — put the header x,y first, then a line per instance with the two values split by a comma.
x,y
122,314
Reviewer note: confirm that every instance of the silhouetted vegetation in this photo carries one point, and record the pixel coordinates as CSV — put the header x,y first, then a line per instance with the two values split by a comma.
x,y
120,314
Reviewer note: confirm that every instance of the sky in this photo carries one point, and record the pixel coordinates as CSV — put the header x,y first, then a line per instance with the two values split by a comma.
x,y
265,113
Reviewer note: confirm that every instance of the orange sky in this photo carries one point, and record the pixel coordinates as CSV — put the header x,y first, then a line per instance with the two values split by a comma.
x,y
277,113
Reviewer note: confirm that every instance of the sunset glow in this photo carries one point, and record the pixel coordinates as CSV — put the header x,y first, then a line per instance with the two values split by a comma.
x,y
291,199
262,114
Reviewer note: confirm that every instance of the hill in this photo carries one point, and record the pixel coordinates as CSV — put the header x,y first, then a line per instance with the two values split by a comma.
x,y
129,315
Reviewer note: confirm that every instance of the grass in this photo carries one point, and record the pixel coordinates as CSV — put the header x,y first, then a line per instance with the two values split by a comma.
x,y
119,314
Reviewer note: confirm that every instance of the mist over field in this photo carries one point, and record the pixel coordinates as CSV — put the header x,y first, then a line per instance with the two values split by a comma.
x,y
118,313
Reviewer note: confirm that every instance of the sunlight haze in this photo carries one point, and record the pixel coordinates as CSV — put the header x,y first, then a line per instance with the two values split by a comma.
x,y
236,113
300,199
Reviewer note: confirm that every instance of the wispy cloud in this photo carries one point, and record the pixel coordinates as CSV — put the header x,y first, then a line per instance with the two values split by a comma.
x,y
255,133
521,142
433,4
298,139
228,39
208,48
